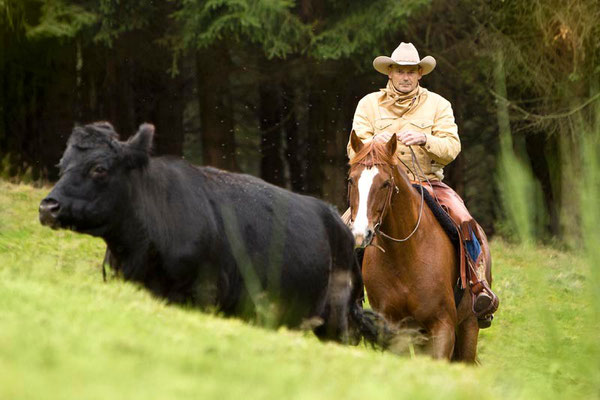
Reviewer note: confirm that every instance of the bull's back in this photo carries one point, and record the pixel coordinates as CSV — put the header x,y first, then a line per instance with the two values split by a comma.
x,y
276,226
291,241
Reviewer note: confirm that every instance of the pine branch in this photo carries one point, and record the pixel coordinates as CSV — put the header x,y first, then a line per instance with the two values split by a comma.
x,y
542,118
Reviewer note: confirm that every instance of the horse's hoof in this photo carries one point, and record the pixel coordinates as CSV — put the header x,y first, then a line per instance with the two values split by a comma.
x,y
485,322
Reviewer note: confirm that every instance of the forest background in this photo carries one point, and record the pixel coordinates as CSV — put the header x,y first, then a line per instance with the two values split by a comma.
x,y
269,87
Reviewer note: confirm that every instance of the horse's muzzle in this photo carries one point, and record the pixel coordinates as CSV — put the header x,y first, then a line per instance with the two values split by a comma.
x,y
363,240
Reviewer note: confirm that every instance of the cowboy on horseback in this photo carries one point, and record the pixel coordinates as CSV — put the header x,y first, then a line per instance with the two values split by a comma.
x,y
427,135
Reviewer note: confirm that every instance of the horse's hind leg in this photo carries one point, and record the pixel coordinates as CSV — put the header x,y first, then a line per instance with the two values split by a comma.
x,y
442,335
466,340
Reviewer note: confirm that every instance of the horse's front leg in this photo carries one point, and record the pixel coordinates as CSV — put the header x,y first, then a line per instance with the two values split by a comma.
x,y
442,337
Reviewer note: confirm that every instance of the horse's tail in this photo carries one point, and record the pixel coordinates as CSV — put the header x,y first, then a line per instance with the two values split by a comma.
x,y
371,326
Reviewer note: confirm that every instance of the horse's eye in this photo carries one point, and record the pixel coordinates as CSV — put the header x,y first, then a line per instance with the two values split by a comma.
x,y
350,181
387,184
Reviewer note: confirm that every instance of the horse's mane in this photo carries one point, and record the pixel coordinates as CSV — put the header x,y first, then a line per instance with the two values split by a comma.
x,y
374,153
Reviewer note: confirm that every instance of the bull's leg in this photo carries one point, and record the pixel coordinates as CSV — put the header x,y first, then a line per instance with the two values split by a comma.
x,y
336,321
466,340
442,338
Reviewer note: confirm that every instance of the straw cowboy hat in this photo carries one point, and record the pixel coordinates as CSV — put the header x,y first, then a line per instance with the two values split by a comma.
x,y
405,54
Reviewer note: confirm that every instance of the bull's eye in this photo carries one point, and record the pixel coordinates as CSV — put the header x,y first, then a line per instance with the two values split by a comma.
x,y
98,172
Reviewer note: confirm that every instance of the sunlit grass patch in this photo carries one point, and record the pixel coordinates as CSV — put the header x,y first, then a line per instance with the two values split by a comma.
x,y
66,334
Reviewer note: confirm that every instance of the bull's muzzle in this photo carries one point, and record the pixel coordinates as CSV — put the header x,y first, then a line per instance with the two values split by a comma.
x,y
49,209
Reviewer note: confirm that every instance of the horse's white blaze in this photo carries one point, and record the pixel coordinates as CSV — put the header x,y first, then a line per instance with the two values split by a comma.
x,y
364,187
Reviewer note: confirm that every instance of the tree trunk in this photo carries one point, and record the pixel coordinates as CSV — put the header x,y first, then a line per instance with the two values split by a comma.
x,y
293,149
337,121
271,166
216,115
519,189
169,116
314,148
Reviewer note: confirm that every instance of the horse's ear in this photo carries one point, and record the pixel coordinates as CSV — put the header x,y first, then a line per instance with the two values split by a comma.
x,y
392,144
355,142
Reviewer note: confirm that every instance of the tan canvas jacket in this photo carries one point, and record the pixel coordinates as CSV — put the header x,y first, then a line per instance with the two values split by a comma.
x,y
430,114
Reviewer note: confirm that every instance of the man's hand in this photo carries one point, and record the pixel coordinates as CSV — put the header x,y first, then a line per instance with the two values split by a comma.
x,y
409,138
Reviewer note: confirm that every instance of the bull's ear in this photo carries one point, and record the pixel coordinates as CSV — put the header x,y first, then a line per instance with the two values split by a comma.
x,y
355,142
392,145
142,140
138,147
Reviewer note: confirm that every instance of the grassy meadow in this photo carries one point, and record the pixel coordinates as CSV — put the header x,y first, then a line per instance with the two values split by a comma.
x,y
65,334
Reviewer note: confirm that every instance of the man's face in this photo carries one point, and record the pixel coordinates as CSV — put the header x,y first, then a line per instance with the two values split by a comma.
x,y
405,78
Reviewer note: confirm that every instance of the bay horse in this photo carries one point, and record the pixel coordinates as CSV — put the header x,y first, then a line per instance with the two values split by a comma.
x,y
411,277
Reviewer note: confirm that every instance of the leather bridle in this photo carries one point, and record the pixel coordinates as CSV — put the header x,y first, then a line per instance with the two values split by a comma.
x,y
377,230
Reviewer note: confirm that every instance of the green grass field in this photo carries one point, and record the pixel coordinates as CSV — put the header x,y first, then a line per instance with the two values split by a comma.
x,y
65,334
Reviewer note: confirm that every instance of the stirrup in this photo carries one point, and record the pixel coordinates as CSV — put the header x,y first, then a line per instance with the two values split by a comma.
x,y
485,302
485,322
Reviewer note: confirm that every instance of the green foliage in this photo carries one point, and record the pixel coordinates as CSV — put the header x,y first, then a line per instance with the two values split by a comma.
x,y
520,192
552,43
269,23
65,19
590,193
47,19
60,20
118,17
521,196
5,166
66,334
552,60
12,14
345,32
360,31
552,52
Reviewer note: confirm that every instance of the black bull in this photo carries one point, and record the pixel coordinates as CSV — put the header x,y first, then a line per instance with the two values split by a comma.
x,y
208,237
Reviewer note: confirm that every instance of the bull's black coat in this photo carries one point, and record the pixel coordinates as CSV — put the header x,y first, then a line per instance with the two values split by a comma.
x,y
205,236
